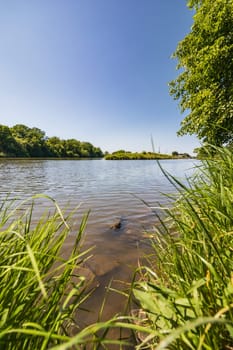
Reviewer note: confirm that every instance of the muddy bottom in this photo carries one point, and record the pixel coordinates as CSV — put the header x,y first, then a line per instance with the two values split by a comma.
x,y
111,268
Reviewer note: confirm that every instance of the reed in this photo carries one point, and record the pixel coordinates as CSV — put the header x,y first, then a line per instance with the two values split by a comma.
x,y
185,292
40,292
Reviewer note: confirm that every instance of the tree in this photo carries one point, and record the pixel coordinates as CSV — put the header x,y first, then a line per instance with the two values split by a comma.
x,y
55,147
88,150
22,141
72,148
204,86
36,142
32,140
175,154
8,145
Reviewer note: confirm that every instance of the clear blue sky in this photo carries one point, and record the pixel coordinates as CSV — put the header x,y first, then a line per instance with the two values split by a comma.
x,y
94,70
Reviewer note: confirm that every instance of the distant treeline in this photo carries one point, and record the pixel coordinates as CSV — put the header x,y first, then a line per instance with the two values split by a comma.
x,y
22,141
127,155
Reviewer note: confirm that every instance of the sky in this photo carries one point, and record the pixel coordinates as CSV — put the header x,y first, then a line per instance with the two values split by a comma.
x,y
94,70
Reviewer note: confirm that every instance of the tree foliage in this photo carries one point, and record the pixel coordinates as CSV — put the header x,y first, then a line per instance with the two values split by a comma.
x,y
8,144
22,141
204,86
32,140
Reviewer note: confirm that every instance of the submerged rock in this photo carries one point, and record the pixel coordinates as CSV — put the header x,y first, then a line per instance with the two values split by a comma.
x,y
116,225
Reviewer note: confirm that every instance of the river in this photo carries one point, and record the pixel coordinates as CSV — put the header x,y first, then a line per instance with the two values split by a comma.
x,y
110,189
114,191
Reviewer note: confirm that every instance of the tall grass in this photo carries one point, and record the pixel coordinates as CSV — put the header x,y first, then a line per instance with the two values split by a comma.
x,y
40,291
185,294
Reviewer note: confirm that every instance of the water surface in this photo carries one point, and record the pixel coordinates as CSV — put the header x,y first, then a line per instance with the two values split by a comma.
x,y
129,191
110,189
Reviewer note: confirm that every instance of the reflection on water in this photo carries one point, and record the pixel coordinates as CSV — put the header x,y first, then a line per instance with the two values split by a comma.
x,y
112,190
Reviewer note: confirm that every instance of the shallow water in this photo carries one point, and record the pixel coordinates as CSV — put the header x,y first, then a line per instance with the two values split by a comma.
x,y
125,192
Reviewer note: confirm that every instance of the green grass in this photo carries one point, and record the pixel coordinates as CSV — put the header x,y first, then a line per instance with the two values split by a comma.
x,y
40,291
185,293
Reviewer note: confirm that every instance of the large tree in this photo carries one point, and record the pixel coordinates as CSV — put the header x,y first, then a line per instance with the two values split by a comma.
x,y
8,145
31,139
204,86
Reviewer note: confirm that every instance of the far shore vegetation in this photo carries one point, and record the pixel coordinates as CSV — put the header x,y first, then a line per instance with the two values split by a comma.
x,y
20,141
127,155
23,142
